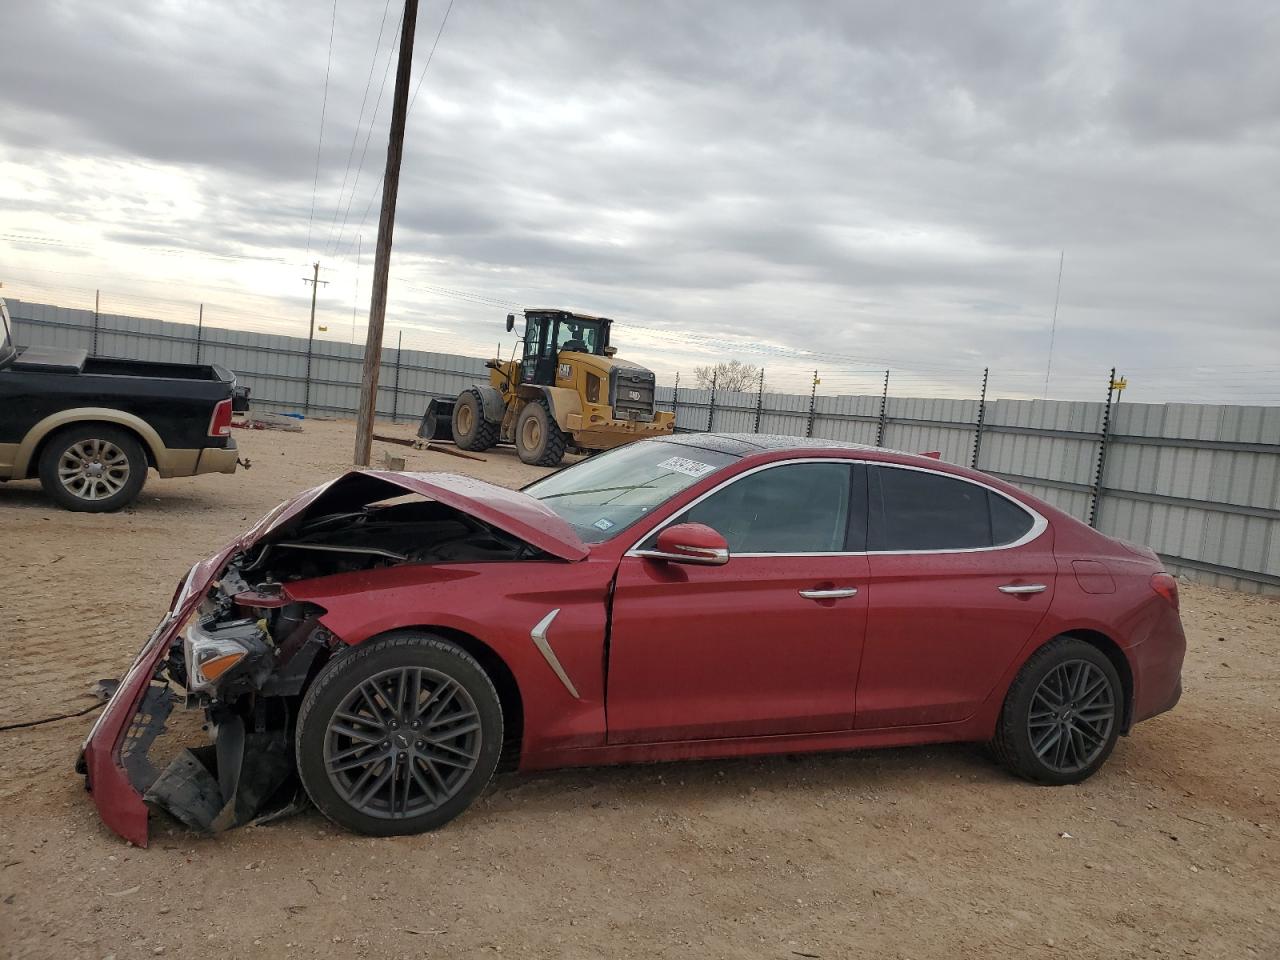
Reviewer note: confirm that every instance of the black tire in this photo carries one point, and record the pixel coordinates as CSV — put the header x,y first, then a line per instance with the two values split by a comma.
x,y
92,467
1056,740
416,762
539,440
471,431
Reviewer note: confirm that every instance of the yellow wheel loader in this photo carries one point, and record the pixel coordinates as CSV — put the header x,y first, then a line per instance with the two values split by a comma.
x,y
566,392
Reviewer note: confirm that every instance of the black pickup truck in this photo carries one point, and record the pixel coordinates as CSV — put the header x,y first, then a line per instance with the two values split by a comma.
x,y
90,427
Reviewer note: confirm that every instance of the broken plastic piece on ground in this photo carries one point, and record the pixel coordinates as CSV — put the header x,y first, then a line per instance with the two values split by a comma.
x,y
243,778
104,689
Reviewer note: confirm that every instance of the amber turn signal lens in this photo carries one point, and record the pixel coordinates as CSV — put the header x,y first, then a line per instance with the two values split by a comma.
x,y
213,669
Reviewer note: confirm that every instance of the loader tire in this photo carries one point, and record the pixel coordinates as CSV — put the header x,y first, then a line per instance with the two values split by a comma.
x,y
539,440
471,431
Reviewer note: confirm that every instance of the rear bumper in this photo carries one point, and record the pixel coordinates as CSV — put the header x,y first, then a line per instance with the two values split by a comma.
x,y
1157,668
219,460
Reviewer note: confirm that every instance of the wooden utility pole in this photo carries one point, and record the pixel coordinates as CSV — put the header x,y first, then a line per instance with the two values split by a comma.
x,y
386,227
315,282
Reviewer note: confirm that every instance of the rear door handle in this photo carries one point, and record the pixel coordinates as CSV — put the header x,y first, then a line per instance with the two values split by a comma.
x,y
1019,588
833,594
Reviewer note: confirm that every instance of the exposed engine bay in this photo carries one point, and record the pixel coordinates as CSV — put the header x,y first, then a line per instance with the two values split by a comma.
x,y
248,651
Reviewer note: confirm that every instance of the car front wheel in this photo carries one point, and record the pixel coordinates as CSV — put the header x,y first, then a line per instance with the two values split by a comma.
x,y
398,735
1062,715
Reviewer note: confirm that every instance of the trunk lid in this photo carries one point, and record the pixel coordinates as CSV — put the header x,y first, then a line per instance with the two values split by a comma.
x,y
510,510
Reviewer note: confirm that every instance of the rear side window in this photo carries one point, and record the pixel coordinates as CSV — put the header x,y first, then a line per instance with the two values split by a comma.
x,y
913,510
1009,522
791,508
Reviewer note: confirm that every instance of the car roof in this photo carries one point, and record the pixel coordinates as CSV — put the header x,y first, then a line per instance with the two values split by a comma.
x,y
747,444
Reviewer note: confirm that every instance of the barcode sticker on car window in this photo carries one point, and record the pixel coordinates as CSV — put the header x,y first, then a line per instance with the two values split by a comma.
x,y
604,523
690,468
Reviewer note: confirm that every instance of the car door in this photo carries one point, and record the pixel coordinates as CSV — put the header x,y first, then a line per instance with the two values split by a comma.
x,y
960,576
766,644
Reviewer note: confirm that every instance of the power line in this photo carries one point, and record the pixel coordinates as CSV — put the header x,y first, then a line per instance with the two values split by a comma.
x,y
324,105
355,134
364,151
412,100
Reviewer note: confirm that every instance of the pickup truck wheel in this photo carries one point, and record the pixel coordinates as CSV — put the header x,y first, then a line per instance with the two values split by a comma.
x,y
398,735
92,468
539,441
471,431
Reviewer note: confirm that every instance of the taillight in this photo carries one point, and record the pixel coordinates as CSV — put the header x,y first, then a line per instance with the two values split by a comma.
x,y
220,422
1165,585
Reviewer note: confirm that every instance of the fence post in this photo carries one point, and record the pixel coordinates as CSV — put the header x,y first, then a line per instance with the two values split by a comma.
x,y
711,407
759,401
813,403
199,331
982,417
675,403
884,401
94,351
395,389
1102,452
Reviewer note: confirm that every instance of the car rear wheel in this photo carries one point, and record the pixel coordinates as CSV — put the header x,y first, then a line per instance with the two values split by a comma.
x,y
539,440
1062,715
471,431
398,735
93,468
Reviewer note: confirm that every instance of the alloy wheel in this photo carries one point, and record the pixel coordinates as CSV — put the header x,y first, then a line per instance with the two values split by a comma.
x,y
93,469
402,743
1072,713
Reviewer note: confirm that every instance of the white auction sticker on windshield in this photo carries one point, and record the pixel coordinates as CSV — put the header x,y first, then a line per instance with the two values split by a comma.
x,y
604,523
690,468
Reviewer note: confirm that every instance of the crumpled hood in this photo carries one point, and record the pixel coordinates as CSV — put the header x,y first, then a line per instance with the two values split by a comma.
x,y
510,510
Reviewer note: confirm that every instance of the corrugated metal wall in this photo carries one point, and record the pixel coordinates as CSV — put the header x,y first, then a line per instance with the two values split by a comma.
x,y
1199,483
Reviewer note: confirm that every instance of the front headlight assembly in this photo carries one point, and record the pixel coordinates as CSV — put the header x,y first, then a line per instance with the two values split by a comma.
x,y
215,652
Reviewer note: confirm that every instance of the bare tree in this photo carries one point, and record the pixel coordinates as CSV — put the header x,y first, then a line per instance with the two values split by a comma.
x,y
732,376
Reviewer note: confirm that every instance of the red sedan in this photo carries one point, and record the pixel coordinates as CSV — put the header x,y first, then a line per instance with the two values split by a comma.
x,y
383,639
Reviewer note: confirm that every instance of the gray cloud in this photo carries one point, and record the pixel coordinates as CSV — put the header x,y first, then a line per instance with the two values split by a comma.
x,y
879,180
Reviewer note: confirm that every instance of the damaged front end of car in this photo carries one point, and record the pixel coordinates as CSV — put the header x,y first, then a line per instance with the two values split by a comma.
x,y
234,655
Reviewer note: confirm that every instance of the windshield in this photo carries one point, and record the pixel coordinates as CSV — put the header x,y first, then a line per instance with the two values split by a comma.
x,y
580,335
602,496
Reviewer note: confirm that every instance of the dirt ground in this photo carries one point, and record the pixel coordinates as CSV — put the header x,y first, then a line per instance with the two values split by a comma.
x,y
1173,850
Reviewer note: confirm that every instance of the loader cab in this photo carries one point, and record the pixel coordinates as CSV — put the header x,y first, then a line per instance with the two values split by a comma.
x,y
547,333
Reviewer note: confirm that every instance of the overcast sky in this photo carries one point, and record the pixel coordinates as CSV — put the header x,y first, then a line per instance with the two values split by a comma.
x,y
877,183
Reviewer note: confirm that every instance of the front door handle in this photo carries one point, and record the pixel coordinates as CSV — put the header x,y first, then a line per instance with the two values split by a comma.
x,y
1021,588
833,594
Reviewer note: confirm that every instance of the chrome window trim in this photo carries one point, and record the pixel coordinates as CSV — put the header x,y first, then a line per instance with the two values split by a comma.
x,y
1038,524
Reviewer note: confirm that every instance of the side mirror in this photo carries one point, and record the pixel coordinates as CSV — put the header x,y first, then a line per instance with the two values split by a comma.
x,y
511,322
694,543
610,351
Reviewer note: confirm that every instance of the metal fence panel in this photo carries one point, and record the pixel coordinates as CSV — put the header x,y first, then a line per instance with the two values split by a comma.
x,y
1199,483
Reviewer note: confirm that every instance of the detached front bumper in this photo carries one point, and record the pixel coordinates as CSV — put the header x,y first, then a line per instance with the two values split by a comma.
x,y
131,714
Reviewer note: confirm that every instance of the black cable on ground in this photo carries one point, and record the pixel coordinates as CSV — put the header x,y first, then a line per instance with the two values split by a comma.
x,y
63,716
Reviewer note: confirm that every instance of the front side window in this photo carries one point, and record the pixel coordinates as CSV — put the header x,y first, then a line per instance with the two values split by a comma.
x,y
602,496
914,510
789,508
